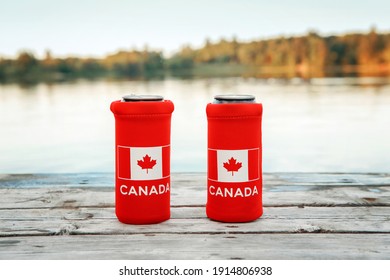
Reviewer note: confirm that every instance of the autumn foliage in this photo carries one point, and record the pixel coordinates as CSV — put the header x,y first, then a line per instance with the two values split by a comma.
x,y
311,55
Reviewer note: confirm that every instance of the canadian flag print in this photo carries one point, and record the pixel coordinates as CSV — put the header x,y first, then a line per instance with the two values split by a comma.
x,y
143,163
233,165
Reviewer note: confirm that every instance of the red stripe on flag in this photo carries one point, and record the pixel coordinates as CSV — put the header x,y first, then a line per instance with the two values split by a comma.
x,y
253,164
124,162
212,165
165,161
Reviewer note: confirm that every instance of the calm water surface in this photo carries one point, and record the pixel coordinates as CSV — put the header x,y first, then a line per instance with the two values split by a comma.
x,y
333,124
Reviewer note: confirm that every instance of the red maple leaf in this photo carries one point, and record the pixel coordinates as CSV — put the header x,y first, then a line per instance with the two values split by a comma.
x,y
232,165
147,163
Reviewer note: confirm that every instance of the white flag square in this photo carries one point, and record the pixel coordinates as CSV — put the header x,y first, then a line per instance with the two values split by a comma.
x,y
232,165
146,163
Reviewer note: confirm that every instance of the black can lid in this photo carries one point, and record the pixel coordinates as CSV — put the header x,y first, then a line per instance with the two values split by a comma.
x,y
136,98
234,98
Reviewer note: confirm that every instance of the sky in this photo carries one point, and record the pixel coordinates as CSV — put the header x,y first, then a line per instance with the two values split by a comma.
x,y
97,28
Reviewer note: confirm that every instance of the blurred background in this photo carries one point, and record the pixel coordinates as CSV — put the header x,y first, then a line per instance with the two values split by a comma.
x,y
320,68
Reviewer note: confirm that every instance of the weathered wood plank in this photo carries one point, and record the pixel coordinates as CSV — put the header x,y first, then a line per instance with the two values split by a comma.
x,y
54,197
185,179
199,246
185,196
56,180
330,179
190,189
307,216
193,220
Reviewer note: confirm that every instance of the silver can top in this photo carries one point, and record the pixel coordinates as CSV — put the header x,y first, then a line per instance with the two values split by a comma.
x,y
234,98
137,98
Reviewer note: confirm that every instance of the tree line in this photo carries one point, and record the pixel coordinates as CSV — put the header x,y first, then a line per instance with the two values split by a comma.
x,y
311,55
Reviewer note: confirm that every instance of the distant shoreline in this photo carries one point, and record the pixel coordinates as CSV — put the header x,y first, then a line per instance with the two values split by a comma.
x,y
309,56
220,70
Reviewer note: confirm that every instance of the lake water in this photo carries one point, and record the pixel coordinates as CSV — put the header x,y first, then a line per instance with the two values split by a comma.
x,y
325,125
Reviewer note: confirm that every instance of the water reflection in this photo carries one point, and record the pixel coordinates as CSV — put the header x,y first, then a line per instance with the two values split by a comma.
x,y
332,124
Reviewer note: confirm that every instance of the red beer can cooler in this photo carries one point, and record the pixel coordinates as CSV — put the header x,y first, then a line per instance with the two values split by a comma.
x,y
234,185
142,149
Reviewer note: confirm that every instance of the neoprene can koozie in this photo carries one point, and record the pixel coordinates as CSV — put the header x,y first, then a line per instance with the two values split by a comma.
x,y
234,184
142,153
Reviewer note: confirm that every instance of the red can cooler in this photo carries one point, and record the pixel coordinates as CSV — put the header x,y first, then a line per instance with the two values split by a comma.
x,y
234,185
142,149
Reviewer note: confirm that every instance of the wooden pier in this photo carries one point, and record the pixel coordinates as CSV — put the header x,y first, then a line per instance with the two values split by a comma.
x,y
306,216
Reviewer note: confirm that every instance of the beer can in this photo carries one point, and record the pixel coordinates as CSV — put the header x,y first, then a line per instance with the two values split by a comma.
x,y
142,153
234,184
